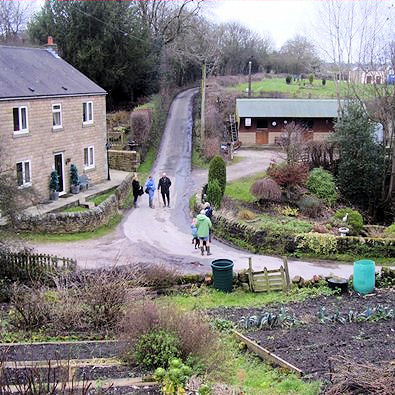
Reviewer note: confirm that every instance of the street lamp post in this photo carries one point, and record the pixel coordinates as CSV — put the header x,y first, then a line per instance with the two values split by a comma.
x,y
108,146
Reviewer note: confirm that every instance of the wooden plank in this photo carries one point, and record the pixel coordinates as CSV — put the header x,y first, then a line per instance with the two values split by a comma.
x,y
267,355
285,261
250,276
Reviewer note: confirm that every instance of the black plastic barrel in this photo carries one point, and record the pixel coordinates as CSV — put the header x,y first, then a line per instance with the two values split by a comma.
x,y
222,274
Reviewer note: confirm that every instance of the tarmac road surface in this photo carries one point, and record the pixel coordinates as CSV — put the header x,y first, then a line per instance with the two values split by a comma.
x,y
163,235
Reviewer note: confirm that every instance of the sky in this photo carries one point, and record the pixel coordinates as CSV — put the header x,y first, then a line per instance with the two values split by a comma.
x,y
282,19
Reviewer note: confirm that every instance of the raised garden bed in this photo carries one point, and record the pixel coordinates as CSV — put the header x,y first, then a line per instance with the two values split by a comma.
x,y
311,345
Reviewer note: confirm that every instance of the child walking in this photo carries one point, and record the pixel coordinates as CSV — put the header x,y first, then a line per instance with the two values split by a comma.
x,y
195,238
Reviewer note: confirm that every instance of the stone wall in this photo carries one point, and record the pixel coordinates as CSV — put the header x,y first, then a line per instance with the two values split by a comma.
x,y
124,160
83,221
258,241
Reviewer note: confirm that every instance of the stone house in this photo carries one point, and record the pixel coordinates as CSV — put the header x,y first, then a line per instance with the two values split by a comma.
x,y
51,116
261,121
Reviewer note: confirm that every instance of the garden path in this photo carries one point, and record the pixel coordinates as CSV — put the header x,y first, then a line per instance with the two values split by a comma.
x,y
162,235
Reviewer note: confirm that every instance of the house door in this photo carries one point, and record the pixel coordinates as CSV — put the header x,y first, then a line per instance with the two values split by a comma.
x,y
59,167
262,137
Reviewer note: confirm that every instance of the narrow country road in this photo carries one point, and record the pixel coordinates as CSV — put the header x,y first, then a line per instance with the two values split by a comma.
x,y
162,235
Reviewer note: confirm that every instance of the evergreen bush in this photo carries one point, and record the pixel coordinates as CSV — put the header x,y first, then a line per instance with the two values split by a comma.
x,y
74,178
288,79
155,349
54,181
311,79
217,171
310,205
214,193
323,82
354,220
321,184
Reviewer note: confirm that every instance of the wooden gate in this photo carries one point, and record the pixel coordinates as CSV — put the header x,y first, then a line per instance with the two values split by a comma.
x,y
269,280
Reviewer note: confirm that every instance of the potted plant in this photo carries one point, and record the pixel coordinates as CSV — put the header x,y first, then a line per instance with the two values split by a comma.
x,y
74,179
54,185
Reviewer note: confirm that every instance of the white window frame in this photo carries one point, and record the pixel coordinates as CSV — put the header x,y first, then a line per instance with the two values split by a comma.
x,y
88,121
54,111
90,165
24,183
20,130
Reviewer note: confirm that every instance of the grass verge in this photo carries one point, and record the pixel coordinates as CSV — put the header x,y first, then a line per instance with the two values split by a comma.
x,y
67,237
102,197
240,189
74,209
250,375
198,161
209,298
192,202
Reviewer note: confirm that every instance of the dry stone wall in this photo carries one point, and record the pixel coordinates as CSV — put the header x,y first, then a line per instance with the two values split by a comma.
x,y
83,221
124,160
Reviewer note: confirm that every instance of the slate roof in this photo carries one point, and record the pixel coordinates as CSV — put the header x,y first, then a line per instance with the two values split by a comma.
x,y
287,108
37,72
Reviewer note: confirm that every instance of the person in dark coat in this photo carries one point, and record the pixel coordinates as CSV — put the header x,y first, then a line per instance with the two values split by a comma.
x,y
208,211
136,188
164,187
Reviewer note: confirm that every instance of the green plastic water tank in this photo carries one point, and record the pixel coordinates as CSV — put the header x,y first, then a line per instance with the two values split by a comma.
x,y
222,274
364,277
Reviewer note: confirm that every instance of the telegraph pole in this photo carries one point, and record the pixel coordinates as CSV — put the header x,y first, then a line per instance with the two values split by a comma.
x,y
249,78
203,106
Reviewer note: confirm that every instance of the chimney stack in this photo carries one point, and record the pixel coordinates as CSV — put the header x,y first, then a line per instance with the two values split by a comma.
x,y
52,47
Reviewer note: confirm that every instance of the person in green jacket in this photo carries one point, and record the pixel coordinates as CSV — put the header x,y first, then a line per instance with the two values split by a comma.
x,y
203,225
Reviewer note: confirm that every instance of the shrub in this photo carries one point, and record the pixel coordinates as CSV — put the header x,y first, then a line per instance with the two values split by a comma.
x,y
54,181
74,178
288,176
354,220
288,79
323,82
321,184
310,205
141,122
194,334
217,171
211,147
311,79
319,244
158,275
390,230
246,215
214,193
175,378
266,189
156,348
320,154
288,211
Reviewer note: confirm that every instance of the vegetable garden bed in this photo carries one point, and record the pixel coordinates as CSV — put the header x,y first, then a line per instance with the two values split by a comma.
x,y
318,330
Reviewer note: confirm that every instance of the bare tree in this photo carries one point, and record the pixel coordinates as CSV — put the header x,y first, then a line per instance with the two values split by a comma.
x,y
359,40
293,141
14,15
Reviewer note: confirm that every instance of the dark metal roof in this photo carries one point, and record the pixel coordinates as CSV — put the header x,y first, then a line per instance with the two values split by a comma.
x,y
36,72
287,108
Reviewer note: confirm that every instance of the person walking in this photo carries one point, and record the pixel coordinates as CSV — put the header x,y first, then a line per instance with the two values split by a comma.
x,y
150,189
137,189
203,231
164,187
208,211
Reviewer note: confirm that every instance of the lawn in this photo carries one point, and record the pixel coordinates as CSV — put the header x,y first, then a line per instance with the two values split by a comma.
x,y
74,209
240,189
102,197
295,89
209,298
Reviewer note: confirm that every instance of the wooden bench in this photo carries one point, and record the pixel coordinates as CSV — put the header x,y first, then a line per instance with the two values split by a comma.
x,y
269,280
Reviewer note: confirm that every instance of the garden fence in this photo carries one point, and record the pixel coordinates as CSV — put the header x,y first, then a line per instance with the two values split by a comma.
x,y
24,266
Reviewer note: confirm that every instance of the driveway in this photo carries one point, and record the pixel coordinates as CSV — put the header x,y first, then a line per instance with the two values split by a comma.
x,y
162,235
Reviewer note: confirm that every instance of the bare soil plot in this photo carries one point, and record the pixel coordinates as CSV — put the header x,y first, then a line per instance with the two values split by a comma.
x,y
311,345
